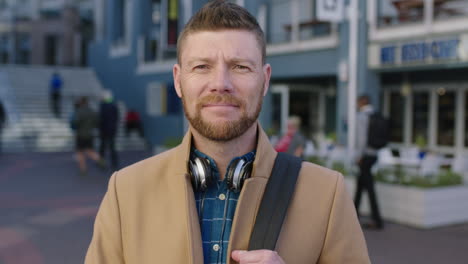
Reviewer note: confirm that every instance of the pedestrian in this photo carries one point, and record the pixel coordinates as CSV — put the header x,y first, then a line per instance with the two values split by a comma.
x,y
162,211
55,87
85,122
366,156
2,122
292,142
108,123
133,122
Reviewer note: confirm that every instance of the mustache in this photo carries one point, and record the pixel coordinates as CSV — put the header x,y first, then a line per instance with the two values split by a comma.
x,y
220,98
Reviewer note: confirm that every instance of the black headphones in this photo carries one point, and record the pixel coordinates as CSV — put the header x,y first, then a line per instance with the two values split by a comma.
x,y
202,177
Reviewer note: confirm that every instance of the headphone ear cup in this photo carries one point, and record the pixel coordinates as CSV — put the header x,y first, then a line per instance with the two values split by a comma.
x,y
237,173
194,177
246,172
230,174
200,172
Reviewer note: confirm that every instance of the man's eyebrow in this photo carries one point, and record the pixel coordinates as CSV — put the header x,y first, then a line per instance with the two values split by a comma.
x,y
241,60
198,59
234,60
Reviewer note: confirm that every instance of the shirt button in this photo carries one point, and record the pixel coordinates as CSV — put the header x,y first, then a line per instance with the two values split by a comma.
x,y
222,197
215,247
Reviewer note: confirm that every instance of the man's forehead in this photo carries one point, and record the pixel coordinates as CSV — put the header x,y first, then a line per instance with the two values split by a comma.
x,y
238,44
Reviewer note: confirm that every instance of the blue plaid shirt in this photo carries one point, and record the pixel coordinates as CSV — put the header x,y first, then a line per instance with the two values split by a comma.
x,y
219,206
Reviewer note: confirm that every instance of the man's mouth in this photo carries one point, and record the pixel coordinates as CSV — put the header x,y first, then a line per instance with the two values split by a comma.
x,y
219,105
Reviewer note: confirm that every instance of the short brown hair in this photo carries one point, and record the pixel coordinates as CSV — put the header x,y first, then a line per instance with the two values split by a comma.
x,y
218,15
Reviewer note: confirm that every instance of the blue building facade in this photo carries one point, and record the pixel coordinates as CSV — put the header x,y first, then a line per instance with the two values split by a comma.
x,y
408,55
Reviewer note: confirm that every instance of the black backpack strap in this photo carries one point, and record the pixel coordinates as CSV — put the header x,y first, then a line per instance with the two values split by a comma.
x,y
275,201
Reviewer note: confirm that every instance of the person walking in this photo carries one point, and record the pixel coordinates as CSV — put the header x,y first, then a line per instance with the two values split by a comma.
x,y
108,123
133,122
197,202
85,122
366,156
293,142
55,85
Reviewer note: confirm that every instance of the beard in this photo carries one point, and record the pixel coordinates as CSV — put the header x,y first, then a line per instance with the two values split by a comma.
x,y
222,131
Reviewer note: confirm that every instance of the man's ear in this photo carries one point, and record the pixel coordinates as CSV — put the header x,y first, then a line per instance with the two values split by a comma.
x,y
176,75
267,76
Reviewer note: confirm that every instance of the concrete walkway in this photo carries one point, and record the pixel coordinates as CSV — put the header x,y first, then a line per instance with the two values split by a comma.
x,y
47,212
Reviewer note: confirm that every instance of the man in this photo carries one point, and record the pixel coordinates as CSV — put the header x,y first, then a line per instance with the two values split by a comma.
x,y
293,142
366,157
108,122
56,93
153,213
84,122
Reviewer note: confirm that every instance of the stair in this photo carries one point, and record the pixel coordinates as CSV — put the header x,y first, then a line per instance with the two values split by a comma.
x,y
31,125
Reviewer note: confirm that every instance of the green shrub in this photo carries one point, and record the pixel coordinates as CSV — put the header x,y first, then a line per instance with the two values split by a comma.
x,y
172,142
340,167
316,160
444,178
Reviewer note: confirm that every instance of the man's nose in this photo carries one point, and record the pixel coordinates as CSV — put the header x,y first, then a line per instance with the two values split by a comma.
x,y
221,80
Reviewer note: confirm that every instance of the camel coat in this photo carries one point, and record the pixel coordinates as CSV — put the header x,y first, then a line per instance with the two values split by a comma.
x,y
148,214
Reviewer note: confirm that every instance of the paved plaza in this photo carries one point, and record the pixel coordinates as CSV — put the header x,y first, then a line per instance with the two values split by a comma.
x,y
47,211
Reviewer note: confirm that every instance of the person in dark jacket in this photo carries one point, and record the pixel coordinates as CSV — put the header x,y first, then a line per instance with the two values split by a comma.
x,y
85,121
108,121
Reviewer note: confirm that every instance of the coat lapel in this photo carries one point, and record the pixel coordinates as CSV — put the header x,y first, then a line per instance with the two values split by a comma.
x,y
251,195
190,214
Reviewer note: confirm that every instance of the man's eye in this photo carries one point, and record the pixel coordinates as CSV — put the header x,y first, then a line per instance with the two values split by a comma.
x,y
241,67
201,67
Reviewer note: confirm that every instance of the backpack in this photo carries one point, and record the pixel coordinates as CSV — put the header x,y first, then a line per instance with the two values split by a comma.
x,y
378,133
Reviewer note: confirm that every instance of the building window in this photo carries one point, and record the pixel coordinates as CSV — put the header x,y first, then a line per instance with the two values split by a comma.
x,y
294,21
420,118
280,22
119,29
397,110
161,30
395,12
309,27
446,117
51,47
4,49
447,9
151,40
23,49
162,99
172,23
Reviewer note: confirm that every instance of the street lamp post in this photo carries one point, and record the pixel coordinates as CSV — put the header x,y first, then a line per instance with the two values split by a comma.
x,y
353,17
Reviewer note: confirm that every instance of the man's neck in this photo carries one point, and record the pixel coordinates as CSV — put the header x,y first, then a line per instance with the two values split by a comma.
x,y
223,152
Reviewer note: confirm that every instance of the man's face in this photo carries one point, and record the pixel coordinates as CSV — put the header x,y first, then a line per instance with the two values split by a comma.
x,y
221,80
361,102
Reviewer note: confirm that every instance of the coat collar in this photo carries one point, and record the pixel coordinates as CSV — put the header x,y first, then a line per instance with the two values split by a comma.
x,y
247,205
264,158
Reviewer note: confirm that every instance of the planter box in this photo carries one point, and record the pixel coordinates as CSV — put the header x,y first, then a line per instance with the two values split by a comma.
x,y
418,207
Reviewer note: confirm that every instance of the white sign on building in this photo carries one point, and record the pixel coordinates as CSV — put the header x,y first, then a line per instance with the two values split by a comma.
x,y
330,10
